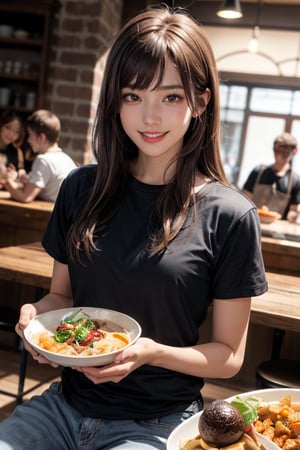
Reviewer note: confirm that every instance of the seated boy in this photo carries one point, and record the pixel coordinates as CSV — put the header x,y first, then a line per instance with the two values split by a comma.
x,y
50,166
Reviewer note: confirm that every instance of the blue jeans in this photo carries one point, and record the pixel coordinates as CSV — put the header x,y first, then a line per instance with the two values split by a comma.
x,y
48,422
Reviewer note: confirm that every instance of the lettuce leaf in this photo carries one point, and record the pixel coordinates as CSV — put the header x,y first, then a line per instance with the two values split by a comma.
x,y
248,407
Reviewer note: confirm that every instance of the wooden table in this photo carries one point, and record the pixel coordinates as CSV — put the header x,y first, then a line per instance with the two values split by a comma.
x,y
278,308
23,222
27,264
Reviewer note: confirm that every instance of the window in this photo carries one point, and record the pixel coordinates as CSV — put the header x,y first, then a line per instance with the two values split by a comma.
x,y
252,116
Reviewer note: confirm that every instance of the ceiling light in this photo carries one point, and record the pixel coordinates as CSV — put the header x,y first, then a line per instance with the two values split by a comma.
x,y
253,43
230,9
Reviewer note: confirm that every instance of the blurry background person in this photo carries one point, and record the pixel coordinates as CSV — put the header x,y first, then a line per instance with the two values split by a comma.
x,y
50,166
12,132
276,186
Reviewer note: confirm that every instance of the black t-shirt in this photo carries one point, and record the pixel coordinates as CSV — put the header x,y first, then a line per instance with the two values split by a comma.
x,y
11,154
218,256
268,176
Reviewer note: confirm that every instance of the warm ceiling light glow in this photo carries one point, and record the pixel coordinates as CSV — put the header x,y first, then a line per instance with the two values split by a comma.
x,y
230,9
253,43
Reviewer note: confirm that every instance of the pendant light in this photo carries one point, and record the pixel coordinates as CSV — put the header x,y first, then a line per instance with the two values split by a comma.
x,y
230,9
253,43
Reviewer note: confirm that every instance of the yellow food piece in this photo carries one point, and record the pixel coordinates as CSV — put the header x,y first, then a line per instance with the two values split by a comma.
x,y
197,443
280,422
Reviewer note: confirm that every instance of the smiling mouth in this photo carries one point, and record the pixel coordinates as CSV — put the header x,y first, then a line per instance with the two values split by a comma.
x,y
152,135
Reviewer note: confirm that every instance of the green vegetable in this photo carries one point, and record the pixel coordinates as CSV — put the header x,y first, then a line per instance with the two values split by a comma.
x,y
87,323
248,407
70,319
82,330
81,333
63,335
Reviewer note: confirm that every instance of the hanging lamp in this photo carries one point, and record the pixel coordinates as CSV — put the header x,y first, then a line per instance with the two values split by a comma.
x,y
230,9
253,43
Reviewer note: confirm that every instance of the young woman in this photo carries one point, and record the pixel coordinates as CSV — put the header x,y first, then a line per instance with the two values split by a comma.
x,y
12,132
155,231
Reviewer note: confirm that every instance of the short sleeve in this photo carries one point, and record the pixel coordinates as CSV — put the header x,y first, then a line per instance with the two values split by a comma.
x,y
54,239
250,182
40,173
240,268
72,196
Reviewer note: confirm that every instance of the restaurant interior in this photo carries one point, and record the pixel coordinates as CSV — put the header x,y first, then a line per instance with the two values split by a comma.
x,y
57,63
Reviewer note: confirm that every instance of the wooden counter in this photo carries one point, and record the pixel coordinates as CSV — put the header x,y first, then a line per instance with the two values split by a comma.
x,y
281,247
280,306
23,222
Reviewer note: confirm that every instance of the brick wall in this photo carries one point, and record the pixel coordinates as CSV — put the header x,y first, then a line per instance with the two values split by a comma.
x,y
82,31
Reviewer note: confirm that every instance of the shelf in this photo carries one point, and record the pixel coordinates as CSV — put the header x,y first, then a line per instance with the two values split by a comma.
x,y
20,109
17,42
29,78
24,59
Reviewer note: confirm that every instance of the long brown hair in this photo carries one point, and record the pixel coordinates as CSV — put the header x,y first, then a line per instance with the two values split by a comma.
x,y
138,57
9,116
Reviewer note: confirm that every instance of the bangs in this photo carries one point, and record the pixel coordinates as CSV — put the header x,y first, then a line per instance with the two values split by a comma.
x,y
142,69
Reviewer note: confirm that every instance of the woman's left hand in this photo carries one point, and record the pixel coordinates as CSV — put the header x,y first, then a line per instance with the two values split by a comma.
x,y
126,361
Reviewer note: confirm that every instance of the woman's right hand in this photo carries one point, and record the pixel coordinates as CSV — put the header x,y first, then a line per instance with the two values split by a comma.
x,y
28,312
60,296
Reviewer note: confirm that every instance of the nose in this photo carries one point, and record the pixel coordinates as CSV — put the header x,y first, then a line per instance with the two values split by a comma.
x,y
11,133
151,113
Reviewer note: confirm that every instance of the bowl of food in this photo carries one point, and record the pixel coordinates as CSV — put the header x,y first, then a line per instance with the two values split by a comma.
x,y
81,336
268,216
188,435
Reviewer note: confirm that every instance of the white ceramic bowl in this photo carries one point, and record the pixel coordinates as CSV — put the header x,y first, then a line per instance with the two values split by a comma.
x,y
50,320
270,395
189,428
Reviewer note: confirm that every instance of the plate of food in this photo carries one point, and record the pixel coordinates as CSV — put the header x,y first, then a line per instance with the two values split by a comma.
x,y
267,216
81,336
222,419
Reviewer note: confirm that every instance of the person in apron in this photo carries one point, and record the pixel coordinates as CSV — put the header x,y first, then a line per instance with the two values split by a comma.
x,y
277,186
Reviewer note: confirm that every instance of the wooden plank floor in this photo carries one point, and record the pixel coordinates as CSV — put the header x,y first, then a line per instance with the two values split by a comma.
x,y
44,375
37,374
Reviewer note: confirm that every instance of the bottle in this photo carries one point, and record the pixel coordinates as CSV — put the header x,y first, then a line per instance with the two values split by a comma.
x,y
30,100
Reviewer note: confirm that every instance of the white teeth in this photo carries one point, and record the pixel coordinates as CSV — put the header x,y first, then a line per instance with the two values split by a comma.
x,y
153,135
